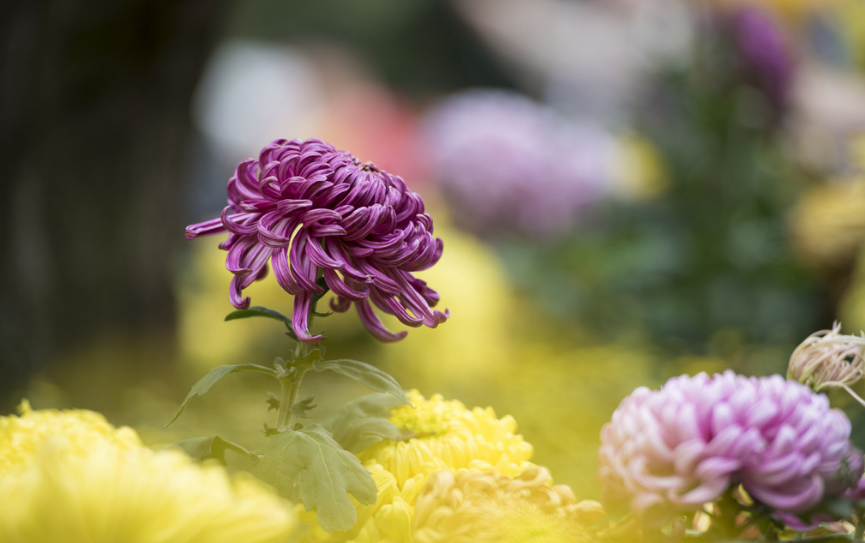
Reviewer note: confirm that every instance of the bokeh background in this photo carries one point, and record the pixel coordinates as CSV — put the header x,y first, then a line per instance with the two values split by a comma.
x,y
626,189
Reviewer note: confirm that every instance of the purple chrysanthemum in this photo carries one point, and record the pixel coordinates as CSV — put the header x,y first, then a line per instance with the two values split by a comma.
x,y
508,165
762,47
313,211
678,448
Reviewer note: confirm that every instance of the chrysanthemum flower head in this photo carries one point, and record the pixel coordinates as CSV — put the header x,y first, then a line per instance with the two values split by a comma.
x,y
441,435
448,435
828,359
761,44
508,165
471,506
685,445
313,211
22,437
99,490
387,520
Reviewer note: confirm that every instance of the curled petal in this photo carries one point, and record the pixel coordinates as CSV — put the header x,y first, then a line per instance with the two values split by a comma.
x,y
341,289
302,269
391,305
374,324
339,304
206,228
282,272
289,207
300,318
274,229
241,223
235,292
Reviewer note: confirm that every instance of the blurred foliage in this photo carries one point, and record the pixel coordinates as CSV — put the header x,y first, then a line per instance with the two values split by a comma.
x,y
708,254
419,47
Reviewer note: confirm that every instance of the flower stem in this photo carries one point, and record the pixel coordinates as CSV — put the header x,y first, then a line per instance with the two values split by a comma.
x,y
290,385
291,381
286,399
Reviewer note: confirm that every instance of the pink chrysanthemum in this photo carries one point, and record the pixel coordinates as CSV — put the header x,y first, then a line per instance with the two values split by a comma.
x,y
314,211
508,165
678,448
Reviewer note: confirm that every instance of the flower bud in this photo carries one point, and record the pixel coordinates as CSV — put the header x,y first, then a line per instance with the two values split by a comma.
x,y
828,359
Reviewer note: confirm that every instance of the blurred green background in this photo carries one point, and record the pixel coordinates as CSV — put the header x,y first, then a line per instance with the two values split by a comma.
x,y
627,190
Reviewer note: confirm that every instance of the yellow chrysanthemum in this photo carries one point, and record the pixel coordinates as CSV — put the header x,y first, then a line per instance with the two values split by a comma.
x,y
74,478
829,223
449,436
446,436
22,437
470,506
477,337
386,520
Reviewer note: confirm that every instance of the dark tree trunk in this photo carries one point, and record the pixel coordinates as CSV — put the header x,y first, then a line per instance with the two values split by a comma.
x,y
94,132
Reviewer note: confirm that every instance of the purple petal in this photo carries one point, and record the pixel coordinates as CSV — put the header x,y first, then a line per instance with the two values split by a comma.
x,y
206,228
374,325
300,318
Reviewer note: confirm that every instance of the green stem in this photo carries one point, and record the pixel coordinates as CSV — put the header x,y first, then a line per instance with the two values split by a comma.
x,y
291,382
290,385
283,416
860,529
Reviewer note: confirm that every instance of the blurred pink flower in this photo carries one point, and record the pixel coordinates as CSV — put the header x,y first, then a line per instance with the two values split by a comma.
x,y
685,445
509,165
311,210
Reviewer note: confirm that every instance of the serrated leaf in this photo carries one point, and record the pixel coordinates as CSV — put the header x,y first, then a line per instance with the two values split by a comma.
x,y
366,374
212,447
310,467
302,407
261,311
363,422
272,401
203,385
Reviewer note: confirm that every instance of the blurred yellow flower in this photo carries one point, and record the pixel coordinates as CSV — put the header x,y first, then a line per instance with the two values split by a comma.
x,y
21,438
476,338
471,506
829,223
447,435
641,174
74,478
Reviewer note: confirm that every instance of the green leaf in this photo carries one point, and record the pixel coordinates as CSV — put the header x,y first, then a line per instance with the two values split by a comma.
x,y
302,407
839,507
857,433
261,311
212,447
370,376
310,467
272,401
363,422
202,386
